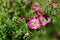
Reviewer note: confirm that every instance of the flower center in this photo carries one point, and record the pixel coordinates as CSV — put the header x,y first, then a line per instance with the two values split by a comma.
x,y
43,20
35,23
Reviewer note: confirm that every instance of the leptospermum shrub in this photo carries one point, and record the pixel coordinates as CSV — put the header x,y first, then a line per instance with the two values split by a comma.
x,y
20,19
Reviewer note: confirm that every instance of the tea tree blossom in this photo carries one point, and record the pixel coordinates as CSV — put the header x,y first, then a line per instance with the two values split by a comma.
x,y
43,20
34,23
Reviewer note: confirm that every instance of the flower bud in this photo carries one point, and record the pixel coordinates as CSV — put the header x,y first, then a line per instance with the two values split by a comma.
x,y
26,35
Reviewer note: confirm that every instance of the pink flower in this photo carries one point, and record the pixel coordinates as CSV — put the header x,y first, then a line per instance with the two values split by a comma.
x,y
37,9
43,20
33,5
47,18
34,23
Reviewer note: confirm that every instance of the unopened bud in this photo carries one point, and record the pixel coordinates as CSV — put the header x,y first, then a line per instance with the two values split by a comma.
x,y
26,35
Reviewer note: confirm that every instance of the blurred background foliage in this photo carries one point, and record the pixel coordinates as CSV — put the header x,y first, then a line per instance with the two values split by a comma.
x,y
13,27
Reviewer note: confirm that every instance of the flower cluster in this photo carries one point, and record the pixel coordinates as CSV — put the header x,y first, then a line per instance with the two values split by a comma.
x,y
17,17
40,20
